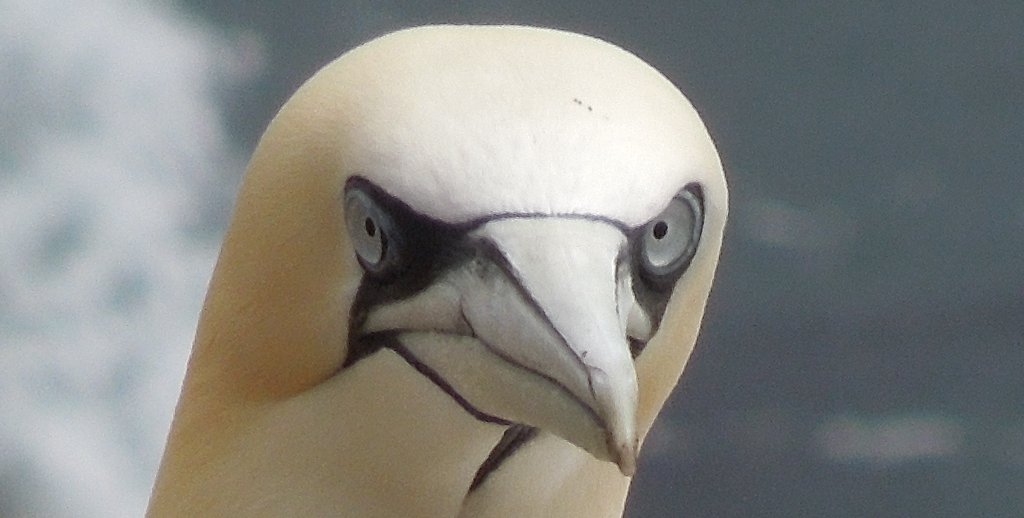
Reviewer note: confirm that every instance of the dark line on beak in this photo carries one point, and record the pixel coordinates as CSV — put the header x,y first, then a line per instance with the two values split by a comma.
x,y
389,340
492,252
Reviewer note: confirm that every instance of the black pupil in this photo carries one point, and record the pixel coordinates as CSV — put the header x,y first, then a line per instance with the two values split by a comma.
x,y
660,229
371,228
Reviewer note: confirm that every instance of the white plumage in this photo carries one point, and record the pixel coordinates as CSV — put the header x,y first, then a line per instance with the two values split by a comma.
x,y
466,268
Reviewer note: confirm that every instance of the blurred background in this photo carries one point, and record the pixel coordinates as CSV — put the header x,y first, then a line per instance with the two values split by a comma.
x,y
862,354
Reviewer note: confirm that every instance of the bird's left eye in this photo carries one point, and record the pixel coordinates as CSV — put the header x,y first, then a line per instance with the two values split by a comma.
x,y
668,242
373,234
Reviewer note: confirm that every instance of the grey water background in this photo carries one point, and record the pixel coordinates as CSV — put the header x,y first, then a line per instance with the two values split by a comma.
x,y
863,349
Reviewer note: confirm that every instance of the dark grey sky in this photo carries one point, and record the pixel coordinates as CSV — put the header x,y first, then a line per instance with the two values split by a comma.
x,y
871,278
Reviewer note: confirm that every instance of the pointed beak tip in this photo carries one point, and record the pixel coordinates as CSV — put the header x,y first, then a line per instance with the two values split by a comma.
x,y
626,455
618,407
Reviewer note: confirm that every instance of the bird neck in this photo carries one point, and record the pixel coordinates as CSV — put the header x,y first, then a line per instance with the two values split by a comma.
x,y
378,439
549,477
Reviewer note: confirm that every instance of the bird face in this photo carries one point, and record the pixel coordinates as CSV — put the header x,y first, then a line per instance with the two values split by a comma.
x,y
523,207
530,319
530,219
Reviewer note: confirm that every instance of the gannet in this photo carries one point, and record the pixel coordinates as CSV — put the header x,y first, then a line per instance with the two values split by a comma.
x,y
466,267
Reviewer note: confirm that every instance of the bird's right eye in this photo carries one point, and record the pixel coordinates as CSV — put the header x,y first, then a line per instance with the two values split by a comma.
x,y
373,234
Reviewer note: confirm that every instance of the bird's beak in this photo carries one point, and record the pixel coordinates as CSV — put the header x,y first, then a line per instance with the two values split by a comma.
x,y
534,329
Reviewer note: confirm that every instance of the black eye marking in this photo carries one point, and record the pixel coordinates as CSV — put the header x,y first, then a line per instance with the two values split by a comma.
x,y
402,252
398,247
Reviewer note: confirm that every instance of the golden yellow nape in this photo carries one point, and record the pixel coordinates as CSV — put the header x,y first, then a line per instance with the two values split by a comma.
x,y
466,268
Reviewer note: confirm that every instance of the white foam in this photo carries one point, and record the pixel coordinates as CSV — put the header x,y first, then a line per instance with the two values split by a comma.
x,y
111,145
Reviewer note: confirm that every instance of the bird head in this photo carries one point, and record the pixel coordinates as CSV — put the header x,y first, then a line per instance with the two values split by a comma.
x,y
530,218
